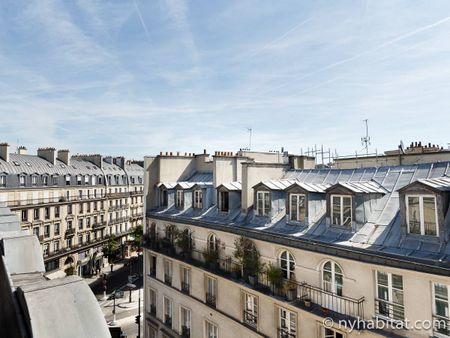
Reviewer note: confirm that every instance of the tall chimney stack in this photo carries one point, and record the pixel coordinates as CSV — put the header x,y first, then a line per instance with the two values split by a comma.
x,y
64,156
48,154
4,151
22,150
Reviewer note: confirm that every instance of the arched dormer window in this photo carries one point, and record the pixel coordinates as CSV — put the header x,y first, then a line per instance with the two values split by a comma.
x,y
34,179
287,264
2,180
179,199
22,180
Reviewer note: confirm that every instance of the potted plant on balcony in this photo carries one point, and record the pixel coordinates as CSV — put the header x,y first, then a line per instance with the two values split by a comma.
x,y
184,242
307,302
211,257
274,276
290,288
248,256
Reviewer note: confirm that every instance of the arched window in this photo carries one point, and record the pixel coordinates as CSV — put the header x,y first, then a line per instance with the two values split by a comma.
x,y
332,278
213,242
68,261
287,264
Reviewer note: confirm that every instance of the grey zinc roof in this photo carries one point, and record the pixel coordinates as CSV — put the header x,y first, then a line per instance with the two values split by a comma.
x,y
64,307
23,254
380,233
232,186
365,187
198,178
201,176
311,187
277,184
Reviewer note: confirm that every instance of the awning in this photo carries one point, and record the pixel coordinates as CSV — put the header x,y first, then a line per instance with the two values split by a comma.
x,y
55,274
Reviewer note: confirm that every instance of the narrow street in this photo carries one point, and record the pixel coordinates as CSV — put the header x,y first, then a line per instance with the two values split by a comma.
x,y
126,311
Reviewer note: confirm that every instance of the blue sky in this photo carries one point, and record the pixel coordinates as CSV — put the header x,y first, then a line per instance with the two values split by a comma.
x,y
138,77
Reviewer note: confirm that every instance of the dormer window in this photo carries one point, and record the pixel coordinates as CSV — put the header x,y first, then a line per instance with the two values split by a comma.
x,y
297,207
224,205
67,179
34,180
2,180
78,180
163,198
55,180
198,199
341,210
263,203
86,180
44,180
22,180
179,203
421,215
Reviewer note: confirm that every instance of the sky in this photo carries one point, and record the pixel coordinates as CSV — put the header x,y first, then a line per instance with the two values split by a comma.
x,y
136,77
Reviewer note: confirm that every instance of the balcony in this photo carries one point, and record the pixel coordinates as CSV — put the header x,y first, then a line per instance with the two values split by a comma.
x,y
153,310
119,220
249,319
118,207
211,299
168,321
185,287
185,331
152,272
441,326
118,194
284,333
37,202
306,297
99,225
69,233
389,311
136,193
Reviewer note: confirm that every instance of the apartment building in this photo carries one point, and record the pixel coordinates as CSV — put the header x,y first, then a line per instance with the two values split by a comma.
x,y
73,204
241,245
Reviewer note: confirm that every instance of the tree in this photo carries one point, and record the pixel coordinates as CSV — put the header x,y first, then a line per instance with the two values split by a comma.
x,y
137,234
248,256
111,248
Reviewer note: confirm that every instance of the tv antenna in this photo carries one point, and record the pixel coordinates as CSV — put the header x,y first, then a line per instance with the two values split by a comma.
x,y
249,138
365,141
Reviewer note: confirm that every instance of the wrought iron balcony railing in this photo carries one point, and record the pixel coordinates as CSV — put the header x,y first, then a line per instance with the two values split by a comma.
x,y
250,319
211,299
185,287
286,333
441,326
185,331
168,279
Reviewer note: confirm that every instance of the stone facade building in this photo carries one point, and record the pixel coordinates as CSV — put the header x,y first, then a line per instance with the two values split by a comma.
x,y
240,245
73,204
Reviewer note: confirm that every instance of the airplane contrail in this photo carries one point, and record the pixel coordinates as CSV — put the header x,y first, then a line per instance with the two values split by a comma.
x,y
144,26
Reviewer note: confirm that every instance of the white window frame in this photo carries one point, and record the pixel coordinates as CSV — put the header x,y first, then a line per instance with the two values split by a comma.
x,y
198,199
390,295
170,307
221,201
435,333
297,207
2,180
261,196
341,218
250,304
179,200
289,260
288,320
22,180
333,335
421,211
189,322
213,241
214,327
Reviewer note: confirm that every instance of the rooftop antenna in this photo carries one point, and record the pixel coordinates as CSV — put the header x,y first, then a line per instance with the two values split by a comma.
x,y
249,138
365,141
17,146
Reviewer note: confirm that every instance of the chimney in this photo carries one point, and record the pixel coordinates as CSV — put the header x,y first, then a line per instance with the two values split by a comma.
x,y
4,151
108,159
22,150
48,154
64,156
120,161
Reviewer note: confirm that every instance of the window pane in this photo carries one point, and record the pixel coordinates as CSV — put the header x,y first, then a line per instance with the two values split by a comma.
x,y
397,282
336,205
294,207
413,215
347,211
429,216
301,208
266,203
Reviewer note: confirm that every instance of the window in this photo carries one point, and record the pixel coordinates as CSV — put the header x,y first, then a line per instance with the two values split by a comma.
x,y
67,179
24,215
69,225
250,313
287,323
332,279
287,264
80,239
78,180
55,180
34,180
22,180
47,212
153,333
36,214
211,291
46,230
56,211
45,249
69,209
198,199
213,243
262,203
163,198
56,229
212,330
80,194
341,210
185,315
223,201
180,199
152,302
421,215
69,242
36,231
55,246
167,311
2,180
168,272
441,315
185,279
389,291
86,180
80,224
329,333
297,207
